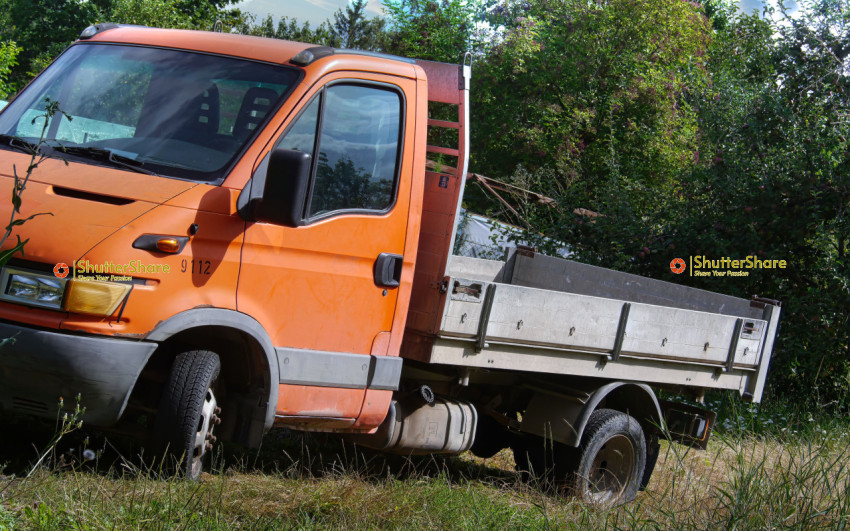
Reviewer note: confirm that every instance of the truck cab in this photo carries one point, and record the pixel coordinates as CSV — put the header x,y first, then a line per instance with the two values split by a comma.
x,y
251,205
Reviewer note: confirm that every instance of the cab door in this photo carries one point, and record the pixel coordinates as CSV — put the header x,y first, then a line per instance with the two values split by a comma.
x,y
327,292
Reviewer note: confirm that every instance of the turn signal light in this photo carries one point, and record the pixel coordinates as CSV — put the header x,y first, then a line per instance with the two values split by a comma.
x,y
168,245
95,297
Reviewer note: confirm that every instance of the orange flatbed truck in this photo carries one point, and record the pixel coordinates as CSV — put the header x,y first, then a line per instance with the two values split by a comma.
x,y
243,233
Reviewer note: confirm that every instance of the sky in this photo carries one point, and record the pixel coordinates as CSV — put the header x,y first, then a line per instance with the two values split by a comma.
x,y
317,11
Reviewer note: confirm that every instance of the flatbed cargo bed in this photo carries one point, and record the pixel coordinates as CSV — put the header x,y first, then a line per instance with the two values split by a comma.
x,y
540,314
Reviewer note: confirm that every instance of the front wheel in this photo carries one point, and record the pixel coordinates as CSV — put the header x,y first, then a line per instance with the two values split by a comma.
x,y
608,467
188,412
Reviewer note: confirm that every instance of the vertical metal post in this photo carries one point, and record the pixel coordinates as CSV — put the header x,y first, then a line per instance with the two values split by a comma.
x,y
733,346
621,331
464,75
484,319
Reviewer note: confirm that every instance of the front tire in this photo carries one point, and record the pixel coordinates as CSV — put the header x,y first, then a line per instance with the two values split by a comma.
x,y
188,413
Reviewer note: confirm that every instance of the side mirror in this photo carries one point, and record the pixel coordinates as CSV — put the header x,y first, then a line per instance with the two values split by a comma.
x,y
284,194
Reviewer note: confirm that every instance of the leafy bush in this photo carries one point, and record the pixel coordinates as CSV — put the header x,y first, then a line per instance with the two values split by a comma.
x,y
740,152
8,59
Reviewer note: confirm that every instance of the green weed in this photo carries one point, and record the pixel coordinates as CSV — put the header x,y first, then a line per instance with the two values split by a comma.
x,y
743,481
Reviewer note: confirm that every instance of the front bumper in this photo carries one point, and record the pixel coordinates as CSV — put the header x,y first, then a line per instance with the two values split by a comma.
x,y
41,367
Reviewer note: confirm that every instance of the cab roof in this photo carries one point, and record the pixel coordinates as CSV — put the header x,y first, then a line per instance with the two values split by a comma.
x,y
245,46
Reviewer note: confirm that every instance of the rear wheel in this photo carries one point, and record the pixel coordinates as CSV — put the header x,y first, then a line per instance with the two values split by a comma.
x,y
188,412
609,464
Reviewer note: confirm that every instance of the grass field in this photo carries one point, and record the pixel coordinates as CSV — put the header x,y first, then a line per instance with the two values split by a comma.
x,y
791,473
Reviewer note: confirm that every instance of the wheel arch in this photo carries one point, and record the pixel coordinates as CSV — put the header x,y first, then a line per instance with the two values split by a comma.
x,y
635,399
247,356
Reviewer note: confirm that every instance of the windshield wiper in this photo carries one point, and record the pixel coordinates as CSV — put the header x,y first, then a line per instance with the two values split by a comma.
x,y
19,143
105,155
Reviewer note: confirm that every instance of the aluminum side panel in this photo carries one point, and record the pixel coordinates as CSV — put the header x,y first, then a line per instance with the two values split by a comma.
x,y
534,317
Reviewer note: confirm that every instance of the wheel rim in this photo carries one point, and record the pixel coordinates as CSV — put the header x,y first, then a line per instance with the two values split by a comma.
x,y
612,469
204,433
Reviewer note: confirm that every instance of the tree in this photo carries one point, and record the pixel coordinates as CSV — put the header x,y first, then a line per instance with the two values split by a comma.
x,y
352,29
595,90
768,176
183,13
154,13
287,29
776,179
42,28
8,59
204,11
439,30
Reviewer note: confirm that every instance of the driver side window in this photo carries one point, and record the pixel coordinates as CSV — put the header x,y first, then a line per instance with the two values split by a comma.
x,y
353,133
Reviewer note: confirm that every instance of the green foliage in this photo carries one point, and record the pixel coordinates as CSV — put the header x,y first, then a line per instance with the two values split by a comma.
x,y
180,14
596,91
42,28
768,176
8,58
778,179
7,519
438,30
166,13
155,13
205,12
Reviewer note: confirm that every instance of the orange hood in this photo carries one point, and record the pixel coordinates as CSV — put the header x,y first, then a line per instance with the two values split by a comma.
x,y
82,204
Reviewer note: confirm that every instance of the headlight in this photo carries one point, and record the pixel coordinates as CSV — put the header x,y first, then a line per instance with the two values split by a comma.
x,y
35,289
92,297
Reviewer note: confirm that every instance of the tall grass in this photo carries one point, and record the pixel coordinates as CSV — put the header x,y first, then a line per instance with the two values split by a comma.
x,y
745,480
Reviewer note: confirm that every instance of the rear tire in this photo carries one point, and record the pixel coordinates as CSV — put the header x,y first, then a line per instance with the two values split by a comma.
x,y
188,412
608,467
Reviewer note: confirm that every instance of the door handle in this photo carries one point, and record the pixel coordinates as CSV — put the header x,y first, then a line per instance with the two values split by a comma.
x,y
387,270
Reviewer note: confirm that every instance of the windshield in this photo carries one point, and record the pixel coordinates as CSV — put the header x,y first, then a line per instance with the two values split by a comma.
x,y
172,113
